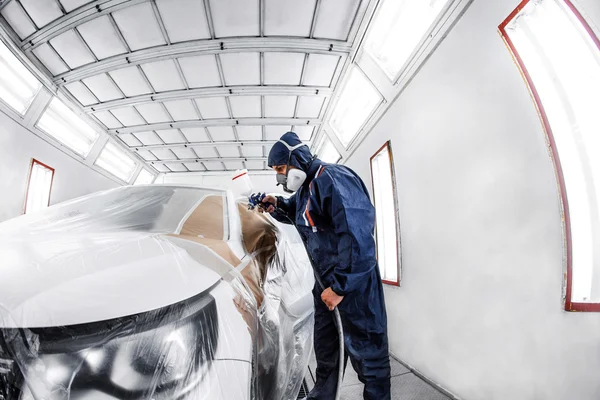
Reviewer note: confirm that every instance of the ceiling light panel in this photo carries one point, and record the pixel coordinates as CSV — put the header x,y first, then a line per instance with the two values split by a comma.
x,y
17,19
327,151
228,151
358,99
304,132
139,26
177,167
283,68
18,86
309,106
245,106
201,71
72,49
101,37
164,154
153,113
335,19
163,75
195,134
50,59
320,69
289,17
161,168
205,152
221,133
130,140
69,128
70,5
195,167
116,161
108,119
249,132
280,106
184,19
235,17
214,165
241,68
184,153
252,151
233,165
131,81
181,110
42,12
103,87
255,165
213,107
146,155
128,116
81,93
267,151
149,138
275,132
144,178
171,136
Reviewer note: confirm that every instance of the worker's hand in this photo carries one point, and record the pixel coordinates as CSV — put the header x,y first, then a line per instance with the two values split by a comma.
x,y
331,299
270,207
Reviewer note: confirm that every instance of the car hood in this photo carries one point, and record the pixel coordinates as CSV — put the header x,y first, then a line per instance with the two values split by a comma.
x,y
62,279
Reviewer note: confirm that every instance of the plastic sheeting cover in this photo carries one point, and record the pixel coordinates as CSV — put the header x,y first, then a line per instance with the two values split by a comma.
x,y
152,292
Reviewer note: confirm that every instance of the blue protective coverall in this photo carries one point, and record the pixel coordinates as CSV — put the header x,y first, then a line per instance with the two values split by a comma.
x,y
335,218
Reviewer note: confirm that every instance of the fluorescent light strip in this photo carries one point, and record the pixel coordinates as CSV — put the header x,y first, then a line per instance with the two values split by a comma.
x,y
116,162
60,122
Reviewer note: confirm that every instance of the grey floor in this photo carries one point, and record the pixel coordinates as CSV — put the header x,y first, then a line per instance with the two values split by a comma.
x,y
405,384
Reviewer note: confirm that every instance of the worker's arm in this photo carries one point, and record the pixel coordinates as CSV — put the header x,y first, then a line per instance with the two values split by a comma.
x,y
344,198
282,209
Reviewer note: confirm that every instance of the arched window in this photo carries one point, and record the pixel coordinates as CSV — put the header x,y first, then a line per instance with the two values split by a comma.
x,y
559,57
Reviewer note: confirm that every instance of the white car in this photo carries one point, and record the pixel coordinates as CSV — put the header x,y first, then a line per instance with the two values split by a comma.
x,y
153,292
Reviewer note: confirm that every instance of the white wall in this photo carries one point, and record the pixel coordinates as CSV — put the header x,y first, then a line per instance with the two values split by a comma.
x,y
17,147
262,181
479,310
591,11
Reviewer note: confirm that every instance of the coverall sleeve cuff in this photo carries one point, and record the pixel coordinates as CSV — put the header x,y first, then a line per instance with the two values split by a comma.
x,y
281,203
338,290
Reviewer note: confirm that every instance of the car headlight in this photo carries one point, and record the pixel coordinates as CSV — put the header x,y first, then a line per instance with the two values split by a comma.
x,y
162,355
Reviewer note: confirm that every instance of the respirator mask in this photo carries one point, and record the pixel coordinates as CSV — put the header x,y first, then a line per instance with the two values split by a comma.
x,y
293,178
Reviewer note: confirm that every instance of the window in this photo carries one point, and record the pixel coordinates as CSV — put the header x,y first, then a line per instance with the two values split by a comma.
x,y
398,29
60,122
39,187
358,99
144,178
18,86
327,151
560,60
116,162
384,196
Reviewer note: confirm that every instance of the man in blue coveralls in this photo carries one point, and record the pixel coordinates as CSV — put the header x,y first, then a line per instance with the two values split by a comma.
x,y
335,218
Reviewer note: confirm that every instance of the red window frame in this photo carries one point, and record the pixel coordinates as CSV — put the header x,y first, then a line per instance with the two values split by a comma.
x,y
388,145
31,165
569,305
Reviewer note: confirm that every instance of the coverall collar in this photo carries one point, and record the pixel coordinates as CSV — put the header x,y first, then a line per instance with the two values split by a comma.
x,y
312,171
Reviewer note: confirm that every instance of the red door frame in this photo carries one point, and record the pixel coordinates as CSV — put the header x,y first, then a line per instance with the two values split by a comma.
x,y
388,145
569,305
31,165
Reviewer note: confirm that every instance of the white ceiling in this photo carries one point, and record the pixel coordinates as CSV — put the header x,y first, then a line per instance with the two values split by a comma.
x,y
192,85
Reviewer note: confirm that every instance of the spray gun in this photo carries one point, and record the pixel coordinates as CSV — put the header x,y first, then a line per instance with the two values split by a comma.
x,y
256,200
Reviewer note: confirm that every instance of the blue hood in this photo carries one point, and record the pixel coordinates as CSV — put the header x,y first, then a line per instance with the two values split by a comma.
x,y
301,157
